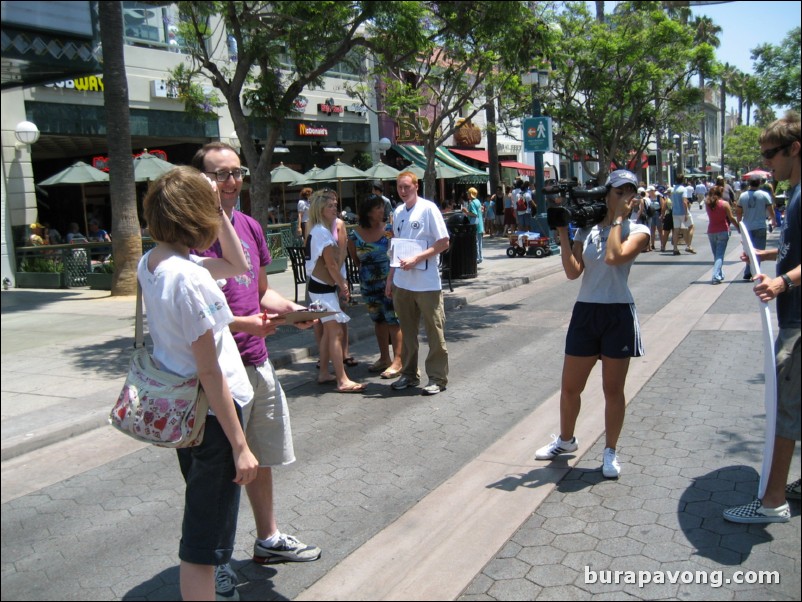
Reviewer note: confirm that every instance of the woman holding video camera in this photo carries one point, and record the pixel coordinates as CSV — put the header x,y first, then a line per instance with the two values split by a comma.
x,y
604,323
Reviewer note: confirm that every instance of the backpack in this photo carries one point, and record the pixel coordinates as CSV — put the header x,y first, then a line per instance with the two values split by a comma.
x,y
520,204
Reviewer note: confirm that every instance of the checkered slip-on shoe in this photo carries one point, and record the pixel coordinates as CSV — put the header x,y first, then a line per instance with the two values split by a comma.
x,y
793,491
754,512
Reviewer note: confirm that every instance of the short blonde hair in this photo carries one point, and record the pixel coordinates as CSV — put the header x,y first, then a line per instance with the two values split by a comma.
x,y
181,207
472,192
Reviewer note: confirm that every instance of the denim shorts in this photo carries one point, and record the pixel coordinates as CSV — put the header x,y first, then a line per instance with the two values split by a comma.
x,y
608,329
211,498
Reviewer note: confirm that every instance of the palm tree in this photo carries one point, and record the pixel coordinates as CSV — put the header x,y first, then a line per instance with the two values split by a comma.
x,y
706,32
127,241
728,74
752,96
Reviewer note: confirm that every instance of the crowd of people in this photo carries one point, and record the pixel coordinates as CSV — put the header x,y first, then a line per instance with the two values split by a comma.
x,y
210,309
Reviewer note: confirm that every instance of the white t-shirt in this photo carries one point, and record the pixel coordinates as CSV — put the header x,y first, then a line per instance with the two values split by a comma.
x,y
602,283
303,211
183,302
321,237
424,223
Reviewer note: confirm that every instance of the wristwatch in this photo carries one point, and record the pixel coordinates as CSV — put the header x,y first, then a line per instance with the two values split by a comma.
x,y
789,284
616,223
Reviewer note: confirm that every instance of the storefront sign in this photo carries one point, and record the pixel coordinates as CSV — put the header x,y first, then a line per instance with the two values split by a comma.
x,y
312,130
93,83
299,104
357,108
330,109
102,163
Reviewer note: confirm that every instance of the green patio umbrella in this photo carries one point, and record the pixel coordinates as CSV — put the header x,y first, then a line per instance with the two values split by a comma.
x,y
149,167
78,173
284,175
382,171
339,172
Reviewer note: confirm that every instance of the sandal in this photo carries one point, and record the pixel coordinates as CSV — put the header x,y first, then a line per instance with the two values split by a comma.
x,y
378,366
350,361
354,388
388,374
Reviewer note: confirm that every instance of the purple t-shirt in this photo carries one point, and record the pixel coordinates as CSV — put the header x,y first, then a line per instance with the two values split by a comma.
x,y
242,292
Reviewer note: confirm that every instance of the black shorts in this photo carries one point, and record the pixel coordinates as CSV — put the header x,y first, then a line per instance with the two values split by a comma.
x,y
608,329
211,499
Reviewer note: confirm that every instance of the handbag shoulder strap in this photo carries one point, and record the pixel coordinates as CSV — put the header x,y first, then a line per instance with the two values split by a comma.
x,y
139,329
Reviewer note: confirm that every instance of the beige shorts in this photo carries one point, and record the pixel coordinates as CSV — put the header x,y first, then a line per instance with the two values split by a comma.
x,y
266,421
788,354
682,222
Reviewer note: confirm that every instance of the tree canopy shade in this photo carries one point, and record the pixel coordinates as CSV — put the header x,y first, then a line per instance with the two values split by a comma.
x,y
282,47
472,53
742,149
617,83
778,71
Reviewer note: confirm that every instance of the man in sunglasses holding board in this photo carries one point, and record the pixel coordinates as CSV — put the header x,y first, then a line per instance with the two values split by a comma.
x,y
780,147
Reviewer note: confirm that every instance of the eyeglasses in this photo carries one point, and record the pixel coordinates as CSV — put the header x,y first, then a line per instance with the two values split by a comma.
x,y
769,153
223,175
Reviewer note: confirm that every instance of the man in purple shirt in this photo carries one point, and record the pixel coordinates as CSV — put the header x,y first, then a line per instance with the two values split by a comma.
x,y
267,428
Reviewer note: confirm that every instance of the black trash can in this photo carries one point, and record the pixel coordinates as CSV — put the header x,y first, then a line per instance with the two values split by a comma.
x,y
462,246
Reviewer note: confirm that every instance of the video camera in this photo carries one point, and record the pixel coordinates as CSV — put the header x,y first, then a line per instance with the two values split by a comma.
x,y
582,207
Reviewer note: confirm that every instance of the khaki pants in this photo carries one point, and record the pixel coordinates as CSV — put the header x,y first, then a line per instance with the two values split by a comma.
x,y
410,306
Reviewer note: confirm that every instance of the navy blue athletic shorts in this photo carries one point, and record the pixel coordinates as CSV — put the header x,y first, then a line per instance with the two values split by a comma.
x,y
608,329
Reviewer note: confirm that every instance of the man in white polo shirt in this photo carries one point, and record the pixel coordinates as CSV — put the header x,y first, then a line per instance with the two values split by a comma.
x,y
415,287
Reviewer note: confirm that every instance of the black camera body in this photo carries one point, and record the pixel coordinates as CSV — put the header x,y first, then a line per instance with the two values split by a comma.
x,y
583,207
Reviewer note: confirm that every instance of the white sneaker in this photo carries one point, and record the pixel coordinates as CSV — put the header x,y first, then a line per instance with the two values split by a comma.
x,y
611,467
556,447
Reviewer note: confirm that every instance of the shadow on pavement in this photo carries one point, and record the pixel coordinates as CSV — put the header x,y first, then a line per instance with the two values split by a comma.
x,y
26,300
700,515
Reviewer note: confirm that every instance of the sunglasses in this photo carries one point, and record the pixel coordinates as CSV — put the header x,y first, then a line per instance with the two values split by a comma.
x,y
769,153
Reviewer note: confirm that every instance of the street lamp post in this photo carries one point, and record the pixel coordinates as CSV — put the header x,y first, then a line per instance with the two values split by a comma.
x,y
539,80
678,144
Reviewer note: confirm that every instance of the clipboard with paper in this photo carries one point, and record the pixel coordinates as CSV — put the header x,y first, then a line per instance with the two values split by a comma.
x,y
402,248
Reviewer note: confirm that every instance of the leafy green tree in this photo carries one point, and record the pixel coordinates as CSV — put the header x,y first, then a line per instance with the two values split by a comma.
x,y
742,148
127,241
778,70
282,47
616,83
726,78
474,53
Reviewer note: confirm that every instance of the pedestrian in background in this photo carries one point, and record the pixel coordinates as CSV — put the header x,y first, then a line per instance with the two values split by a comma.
x,y
303,213
719,215
754,207
780,146
604,323
473,209
188,319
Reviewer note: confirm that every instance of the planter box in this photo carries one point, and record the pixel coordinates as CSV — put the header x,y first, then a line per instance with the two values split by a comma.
x,y
99,281
40,280
278,265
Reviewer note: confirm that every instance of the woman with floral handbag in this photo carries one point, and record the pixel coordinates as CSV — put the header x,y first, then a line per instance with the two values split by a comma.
x,y
188,319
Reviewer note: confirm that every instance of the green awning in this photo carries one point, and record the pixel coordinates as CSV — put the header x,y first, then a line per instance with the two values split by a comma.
x,y
416,155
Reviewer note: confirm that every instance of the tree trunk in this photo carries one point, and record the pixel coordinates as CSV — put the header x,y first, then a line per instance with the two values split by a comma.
x,y
702,132
723,122
125,228
492,144
600,11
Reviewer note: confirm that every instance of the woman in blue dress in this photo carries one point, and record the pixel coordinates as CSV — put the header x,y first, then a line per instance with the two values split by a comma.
x,y
368,244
